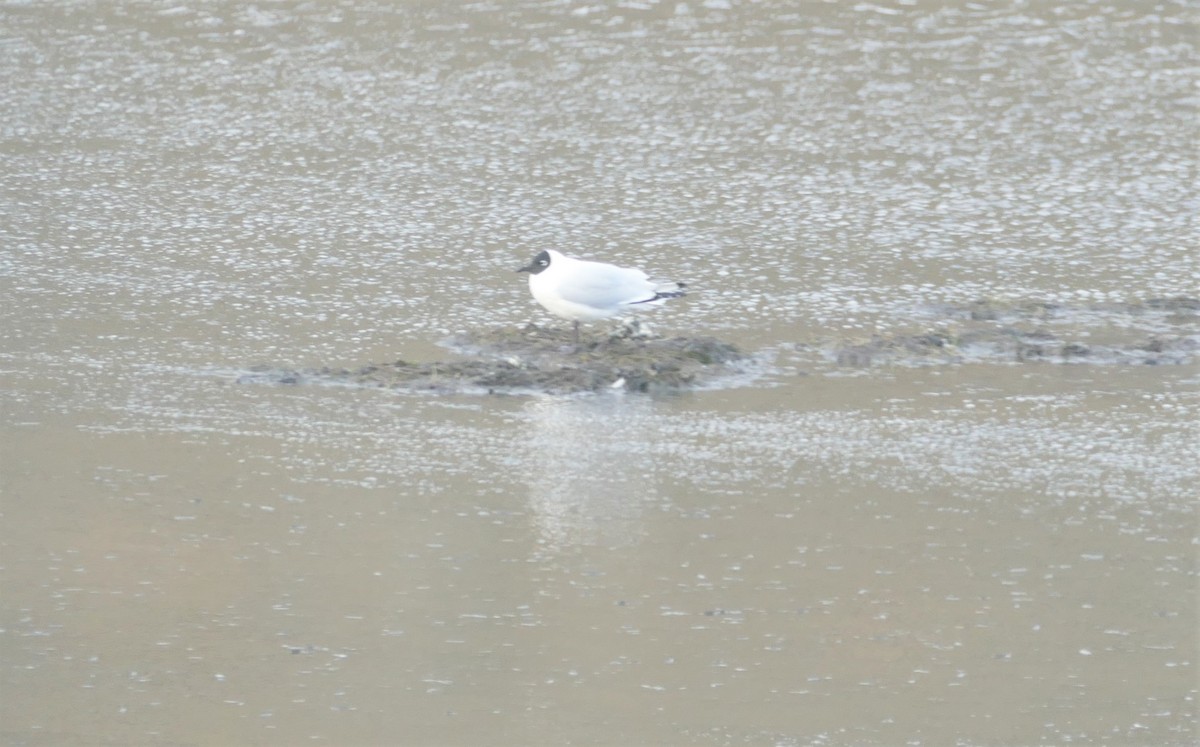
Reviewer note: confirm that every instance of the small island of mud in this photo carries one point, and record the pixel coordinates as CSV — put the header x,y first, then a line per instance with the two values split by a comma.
x,y
535,359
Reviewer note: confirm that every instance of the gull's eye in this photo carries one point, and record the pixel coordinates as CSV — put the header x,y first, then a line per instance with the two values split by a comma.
x,y
543,263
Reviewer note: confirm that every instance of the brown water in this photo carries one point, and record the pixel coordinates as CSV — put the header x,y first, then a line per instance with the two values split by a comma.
x,y
973,550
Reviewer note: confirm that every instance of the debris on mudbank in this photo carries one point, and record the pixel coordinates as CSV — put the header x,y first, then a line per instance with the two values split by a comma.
x,y
1162,331
537,359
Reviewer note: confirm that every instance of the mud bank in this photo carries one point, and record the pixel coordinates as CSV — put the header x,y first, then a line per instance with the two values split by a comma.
x,y
536,359
1155,332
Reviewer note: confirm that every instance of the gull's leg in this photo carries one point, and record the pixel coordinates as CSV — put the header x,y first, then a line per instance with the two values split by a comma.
x,y
576,332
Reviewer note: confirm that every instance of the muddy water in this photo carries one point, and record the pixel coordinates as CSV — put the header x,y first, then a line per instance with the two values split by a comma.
x,y
913,522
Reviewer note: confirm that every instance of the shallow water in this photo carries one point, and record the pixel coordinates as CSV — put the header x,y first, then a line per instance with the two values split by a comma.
x,y
968,547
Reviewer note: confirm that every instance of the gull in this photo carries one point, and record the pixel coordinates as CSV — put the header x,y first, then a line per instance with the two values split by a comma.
x,y
579,290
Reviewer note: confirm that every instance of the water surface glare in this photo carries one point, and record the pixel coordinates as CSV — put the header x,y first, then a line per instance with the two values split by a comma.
x,y
955,505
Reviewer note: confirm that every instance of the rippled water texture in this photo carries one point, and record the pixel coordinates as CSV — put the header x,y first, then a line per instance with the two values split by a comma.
x,y
953,502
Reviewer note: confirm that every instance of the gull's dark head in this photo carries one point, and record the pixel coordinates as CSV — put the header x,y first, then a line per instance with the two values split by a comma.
x,y
537,264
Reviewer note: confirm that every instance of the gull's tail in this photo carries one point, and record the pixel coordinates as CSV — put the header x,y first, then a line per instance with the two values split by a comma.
x,y
665,291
